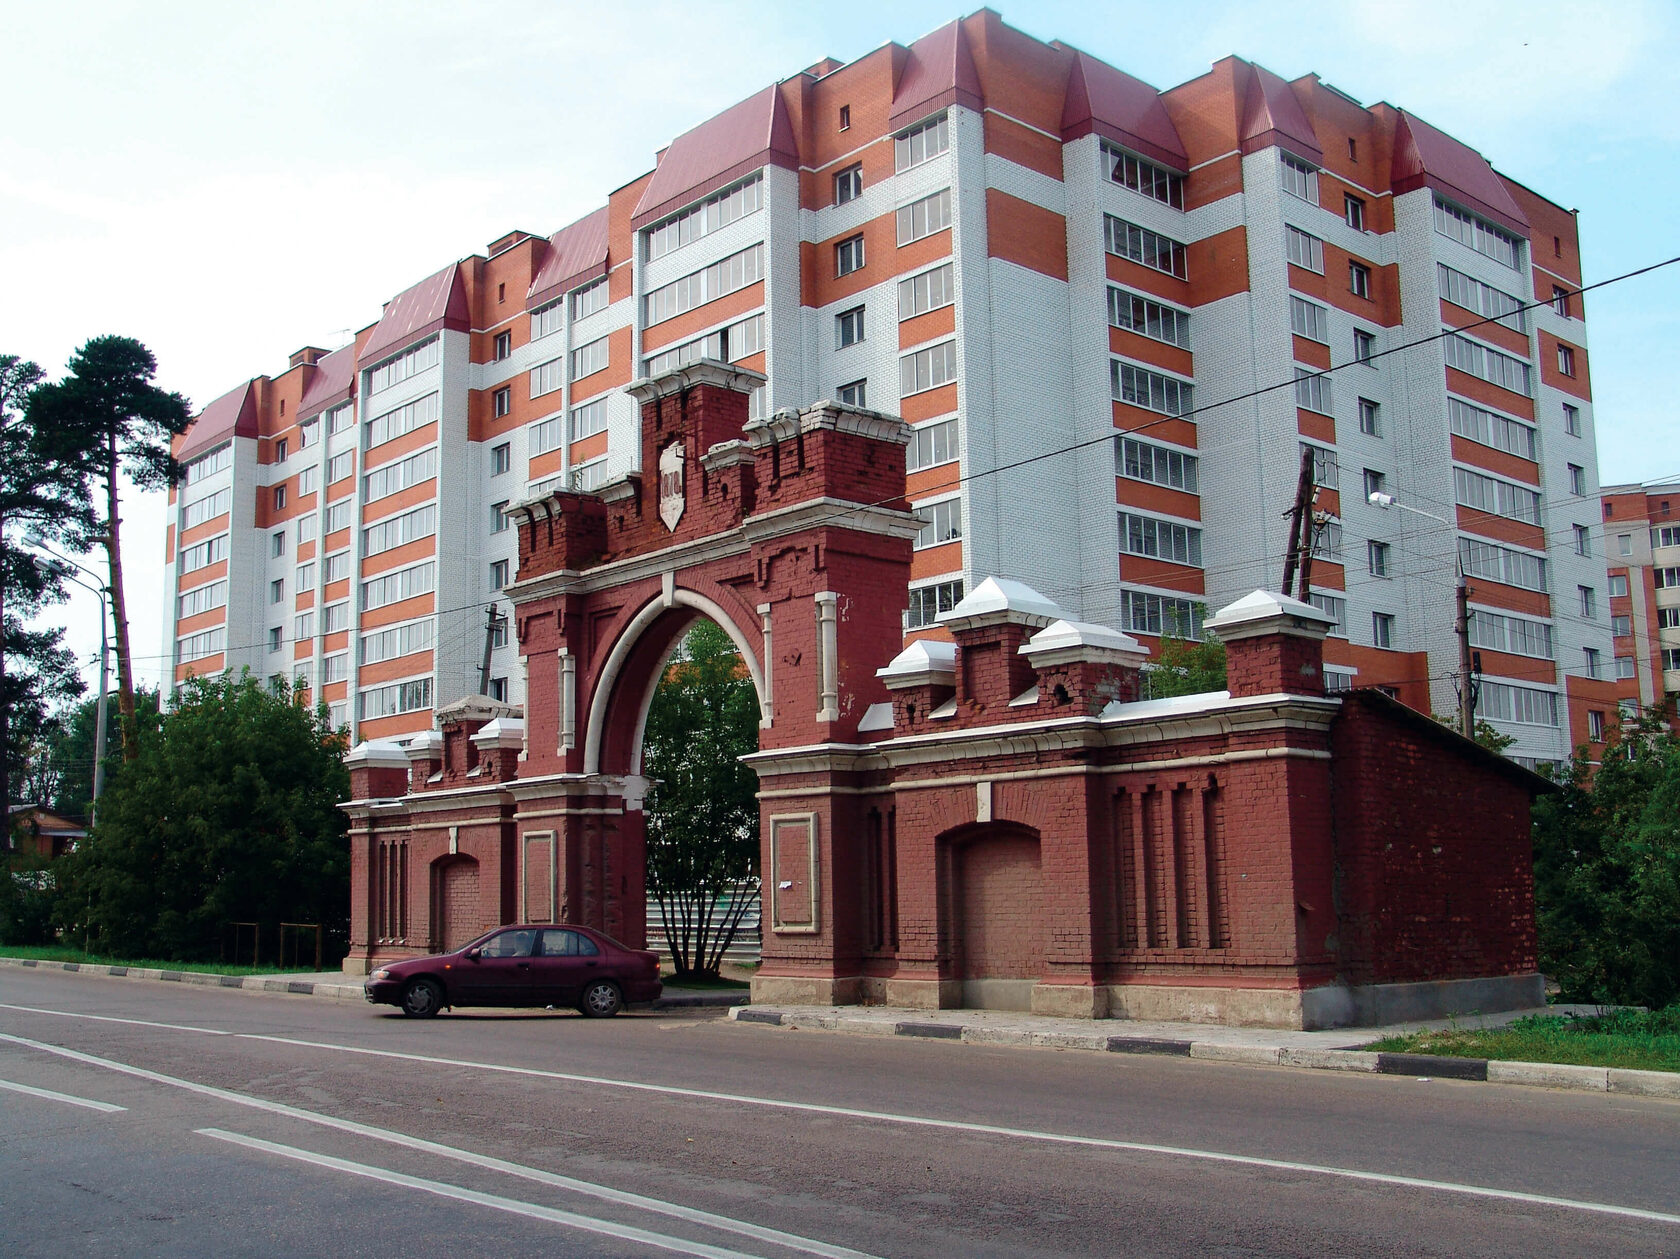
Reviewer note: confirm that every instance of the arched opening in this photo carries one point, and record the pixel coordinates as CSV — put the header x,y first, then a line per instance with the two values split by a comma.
x,y
993,897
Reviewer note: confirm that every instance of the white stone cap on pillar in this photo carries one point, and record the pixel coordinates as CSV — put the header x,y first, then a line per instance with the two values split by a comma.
x,y
377,754
999,601
925,662
504,732
1066,642
425,746
706,371
1264,612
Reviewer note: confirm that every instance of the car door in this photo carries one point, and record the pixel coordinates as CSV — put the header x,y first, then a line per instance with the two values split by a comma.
x,y
565,961
501,973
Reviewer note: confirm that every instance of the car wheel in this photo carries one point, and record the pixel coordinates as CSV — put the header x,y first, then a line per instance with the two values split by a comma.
x,y
601,1000
422,999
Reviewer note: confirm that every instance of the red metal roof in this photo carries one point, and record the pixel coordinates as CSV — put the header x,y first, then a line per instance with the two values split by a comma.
x,y
744,137
234,414
939,71
1425,156
1271,115
439,301
1118,107
575,255
334,374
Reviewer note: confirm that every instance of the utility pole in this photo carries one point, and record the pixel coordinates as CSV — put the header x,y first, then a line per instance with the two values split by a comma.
x,y
1300,522
1466,678
492,619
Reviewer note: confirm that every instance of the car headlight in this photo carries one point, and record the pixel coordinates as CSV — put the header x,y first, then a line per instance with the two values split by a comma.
x,y
378,975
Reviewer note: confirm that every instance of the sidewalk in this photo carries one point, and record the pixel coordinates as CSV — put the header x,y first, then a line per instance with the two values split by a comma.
x,y
1335,1050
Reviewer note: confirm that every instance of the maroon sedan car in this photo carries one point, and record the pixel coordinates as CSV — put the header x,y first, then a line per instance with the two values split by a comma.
x,y
543,965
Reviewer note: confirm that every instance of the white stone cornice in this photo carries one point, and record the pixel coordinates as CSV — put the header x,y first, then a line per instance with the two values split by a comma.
x,y
834,513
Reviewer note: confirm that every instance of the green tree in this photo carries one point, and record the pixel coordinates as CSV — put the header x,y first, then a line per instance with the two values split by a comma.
x,y
107,419
63,774
1607,871
228,812
1183,666
1487,734
702,813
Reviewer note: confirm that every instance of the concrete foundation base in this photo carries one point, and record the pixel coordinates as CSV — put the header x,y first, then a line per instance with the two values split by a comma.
x,y
355,965
806,990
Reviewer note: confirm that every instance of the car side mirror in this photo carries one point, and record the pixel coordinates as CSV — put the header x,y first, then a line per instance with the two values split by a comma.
x,y
472,955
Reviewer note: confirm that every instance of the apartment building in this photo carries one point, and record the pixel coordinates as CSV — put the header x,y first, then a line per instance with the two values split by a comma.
x,y
1642,540
1115,315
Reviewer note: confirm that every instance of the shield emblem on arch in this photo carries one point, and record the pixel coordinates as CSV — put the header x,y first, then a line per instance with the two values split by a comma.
x,y
671,497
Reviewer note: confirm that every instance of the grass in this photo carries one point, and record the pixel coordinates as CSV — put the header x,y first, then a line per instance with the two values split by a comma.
x,y
68,953
1634,1039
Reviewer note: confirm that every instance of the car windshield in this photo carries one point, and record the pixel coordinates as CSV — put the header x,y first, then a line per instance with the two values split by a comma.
x,y
509,944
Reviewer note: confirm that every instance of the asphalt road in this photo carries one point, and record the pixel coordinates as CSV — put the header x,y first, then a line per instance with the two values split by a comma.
x,y
260,1125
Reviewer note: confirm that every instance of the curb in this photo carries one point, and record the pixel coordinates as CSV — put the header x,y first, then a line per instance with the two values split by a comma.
x,y
1664,1084
681,999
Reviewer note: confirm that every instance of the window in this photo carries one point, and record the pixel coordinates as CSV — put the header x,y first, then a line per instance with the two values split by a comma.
x,y
1560,300
547,320
501,402
1370,418
1595,725
394,531
848,327
589,359
1577,480
276,637
855,394
931,445
1148,317
1353,209
202,599
1624,544
304,579
1487,363
1483,237
404,583
1359,280
502,346
1670,659
1312,391
339,513
845,117
335,617
409,363
499,632
1145,613
1668,535
501,458
1496,497
1151,390
335,668
277,543
392,477
1589,602
1326,471
848,184
1572,419
1142,246
944,523
1593,662
203,554
925,217
398,697
404,419
1334,607
1327,540
1364,345
927,369
280,447
1382,629
1511,634
218,460
925,292
921,143
1307,319
715,212
848,255
1142,461
340,466
306,529
1618,585
726,345
197,646
1665,579
1300,179
1130,171
499,517
1470,293
1160,539
1378,555
1668,618
1502,564
498,689
498,574
1375,483
279,497
1621,624
1487,428
303,626
706,285
586,301
1521,704
589,419
277,590
341,418
1566,360
398,641
1304,249
927,602
1583,540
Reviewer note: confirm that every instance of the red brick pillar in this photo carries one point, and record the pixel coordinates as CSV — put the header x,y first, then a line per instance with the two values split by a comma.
x,y
1273,645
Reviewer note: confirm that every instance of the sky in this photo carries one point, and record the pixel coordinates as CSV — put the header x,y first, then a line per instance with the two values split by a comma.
x,y
231,182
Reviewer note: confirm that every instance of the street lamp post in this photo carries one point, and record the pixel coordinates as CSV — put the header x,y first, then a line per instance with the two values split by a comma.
x,y
63,565
1466,685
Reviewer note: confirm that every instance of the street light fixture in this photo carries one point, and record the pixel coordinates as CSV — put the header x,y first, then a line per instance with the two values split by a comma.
x,y
1467,688
63,564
